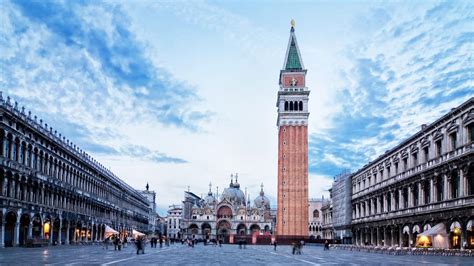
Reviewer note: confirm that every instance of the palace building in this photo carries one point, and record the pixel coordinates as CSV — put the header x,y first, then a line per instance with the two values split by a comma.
x,y
425,181
53,192
292,104
231,216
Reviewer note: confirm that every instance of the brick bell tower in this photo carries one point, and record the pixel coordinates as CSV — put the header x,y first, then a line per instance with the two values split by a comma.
x,y
292,104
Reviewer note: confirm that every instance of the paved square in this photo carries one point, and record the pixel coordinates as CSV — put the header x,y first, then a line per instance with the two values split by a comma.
x,y
209,255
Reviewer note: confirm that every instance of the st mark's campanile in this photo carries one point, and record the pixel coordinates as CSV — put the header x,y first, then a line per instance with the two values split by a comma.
x,y
292,104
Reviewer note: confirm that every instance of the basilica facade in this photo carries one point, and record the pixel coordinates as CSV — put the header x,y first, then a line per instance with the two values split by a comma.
x,y
53,192
228,216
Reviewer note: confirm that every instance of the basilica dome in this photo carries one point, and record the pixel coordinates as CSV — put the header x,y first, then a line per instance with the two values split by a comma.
x,y
261,201
209,199
234,194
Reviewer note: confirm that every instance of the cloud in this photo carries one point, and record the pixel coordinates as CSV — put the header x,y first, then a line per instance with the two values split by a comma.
x,y
61,59
409,72
145,153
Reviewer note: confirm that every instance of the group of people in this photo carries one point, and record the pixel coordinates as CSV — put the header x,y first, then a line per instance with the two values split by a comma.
x,y
297,247
191,241
326,245
242,243
140,242
154,241
116,241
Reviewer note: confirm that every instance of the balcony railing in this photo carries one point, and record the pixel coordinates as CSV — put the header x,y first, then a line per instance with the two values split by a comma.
x,y
452,155
438,206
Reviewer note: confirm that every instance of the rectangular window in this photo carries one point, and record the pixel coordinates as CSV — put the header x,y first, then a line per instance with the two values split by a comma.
x,y
471,132
438,148
427,192
397,201
396,168
439,189
415,159
388,171
389,202
453,139
405,164
426,152
415,195
405,197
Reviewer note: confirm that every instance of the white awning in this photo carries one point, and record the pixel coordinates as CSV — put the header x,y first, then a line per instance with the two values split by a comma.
x,y
438,229
470,225
426,227
455,225
109,231
416,229
135,233
438,236
406,229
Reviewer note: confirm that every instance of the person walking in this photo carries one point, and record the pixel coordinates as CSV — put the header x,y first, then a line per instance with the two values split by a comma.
x,y
106,243
275,245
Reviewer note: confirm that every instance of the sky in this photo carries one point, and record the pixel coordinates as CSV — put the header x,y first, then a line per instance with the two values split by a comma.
x,y
181,94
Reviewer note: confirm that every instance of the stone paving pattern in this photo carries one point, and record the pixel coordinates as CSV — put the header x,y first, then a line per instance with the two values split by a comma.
x,y
210,255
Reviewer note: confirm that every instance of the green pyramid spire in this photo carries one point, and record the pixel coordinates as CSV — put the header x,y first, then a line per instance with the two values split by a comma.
x,y
293,61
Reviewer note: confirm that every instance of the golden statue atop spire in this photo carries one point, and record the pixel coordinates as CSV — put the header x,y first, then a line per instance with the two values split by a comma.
x,y
293,23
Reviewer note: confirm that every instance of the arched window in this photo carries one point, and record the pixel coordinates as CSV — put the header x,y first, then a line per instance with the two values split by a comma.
x,y
301,106
286,105
315,214
291,106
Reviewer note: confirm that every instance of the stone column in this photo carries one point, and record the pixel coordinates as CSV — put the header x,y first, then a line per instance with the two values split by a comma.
x,y
400,199
392,237
4,186
372,236
68,228
410,236
410,196
16,235
30,229
462,184
93,233
421,193
51,232
432,190
60,231
392,201
42,227
446,187
378,236
400,236
2,234
74,234
384,232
